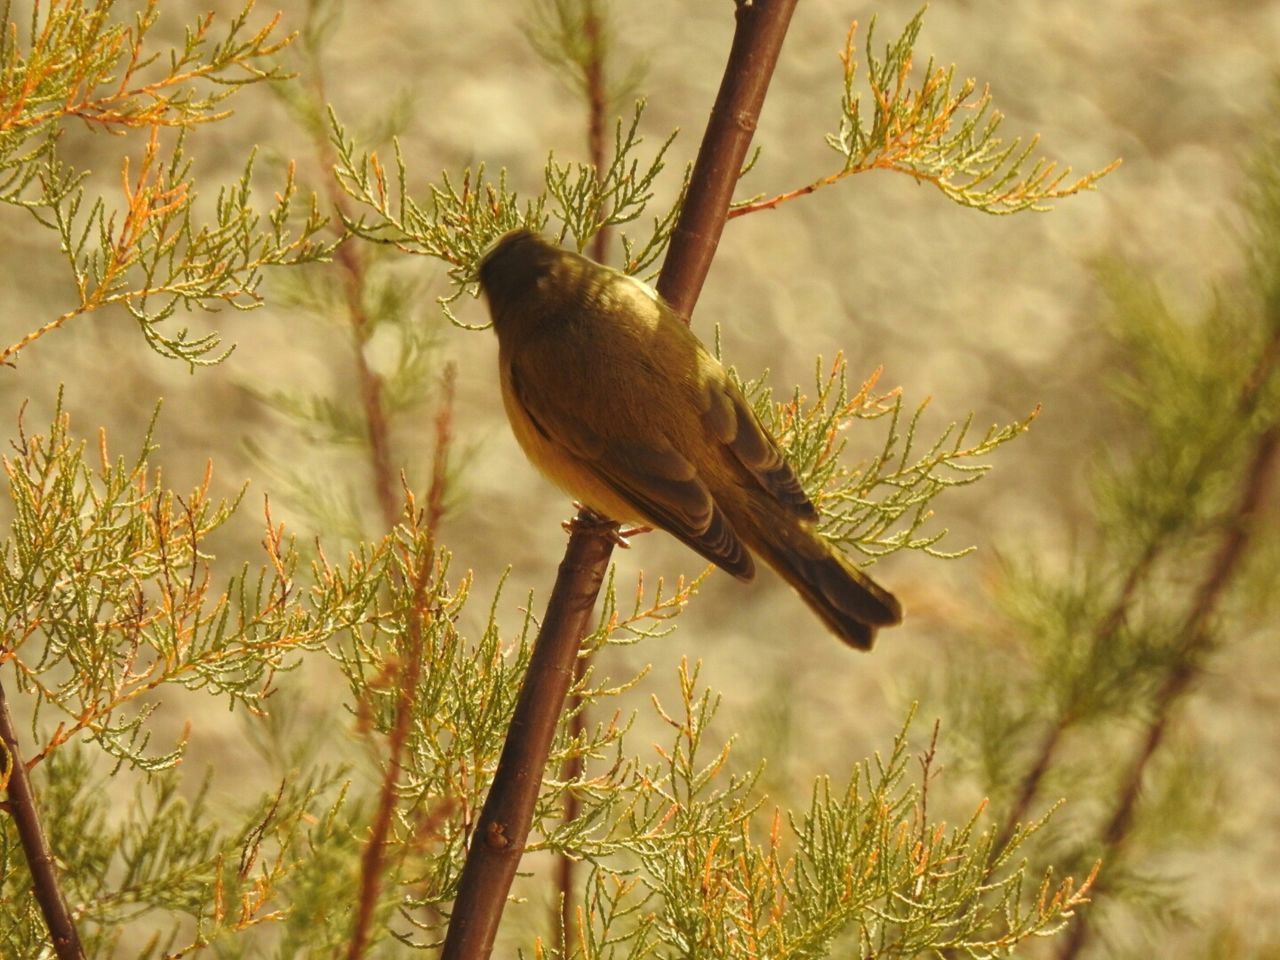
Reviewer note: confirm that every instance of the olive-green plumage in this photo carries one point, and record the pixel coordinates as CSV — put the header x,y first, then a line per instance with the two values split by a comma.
x,y
616,401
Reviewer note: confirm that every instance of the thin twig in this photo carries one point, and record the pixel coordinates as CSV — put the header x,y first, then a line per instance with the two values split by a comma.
x,y
371,394
22,807
373,858
444,438
351,261
505,821
1195,640
1111,623
1245,406
597,104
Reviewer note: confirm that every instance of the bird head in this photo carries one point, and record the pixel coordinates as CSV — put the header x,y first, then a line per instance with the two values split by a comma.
x,y
513,268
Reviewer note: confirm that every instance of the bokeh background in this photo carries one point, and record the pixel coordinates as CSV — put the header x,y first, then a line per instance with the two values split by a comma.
x,y
979,313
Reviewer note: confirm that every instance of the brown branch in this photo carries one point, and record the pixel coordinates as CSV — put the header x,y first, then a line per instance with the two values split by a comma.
x,y
1195,642
1111,623
505,821
375,413
772,203
507,816
444,438
757,41
22,807
1245,406
597,104
354,280
374,855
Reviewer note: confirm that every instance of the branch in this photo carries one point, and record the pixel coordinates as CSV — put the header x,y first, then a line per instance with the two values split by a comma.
x,y
35,845
597,102
1111,623
936,132
409,677
1245,408
1195,642
355,280
504,823
756,44
508,811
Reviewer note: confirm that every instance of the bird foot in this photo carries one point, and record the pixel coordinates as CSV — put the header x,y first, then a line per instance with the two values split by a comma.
x,y
624,536
589,521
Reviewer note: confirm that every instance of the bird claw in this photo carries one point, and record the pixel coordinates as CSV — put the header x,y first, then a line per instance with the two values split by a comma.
x,y
589,521
623,537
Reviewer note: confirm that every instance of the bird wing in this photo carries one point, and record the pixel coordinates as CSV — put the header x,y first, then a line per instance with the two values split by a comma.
x,y
662,484
730,418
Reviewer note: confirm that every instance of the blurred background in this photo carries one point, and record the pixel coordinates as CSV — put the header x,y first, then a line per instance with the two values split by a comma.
x,y
993,315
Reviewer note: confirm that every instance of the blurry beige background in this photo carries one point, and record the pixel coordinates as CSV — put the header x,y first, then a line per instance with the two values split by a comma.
x,y
990,314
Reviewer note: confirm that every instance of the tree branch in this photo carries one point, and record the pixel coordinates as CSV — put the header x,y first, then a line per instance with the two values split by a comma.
x,y
508,811
1048,750
354,267
757,41
1196,642
408,677
597,101
1245,407
35,845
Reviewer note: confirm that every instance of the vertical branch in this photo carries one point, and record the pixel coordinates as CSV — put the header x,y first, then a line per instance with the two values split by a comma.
x,y
1047,753
354,269
21,806
373,859
507,816
597,104
1195,641
1245,407
757,41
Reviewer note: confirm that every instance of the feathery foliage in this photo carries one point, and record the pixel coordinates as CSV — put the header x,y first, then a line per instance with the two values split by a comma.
x,y
162,861
697,863
881,505
459,220
381,313
110,597
145,249
576,39
935,131
1166,584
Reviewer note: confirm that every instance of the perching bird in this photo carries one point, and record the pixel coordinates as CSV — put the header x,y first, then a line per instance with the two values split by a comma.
x,y
617,402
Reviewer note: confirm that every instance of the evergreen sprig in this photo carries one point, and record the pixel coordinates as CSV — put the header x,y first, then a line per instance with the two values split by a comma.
x,y
117,80
576,38
885,503
936,130
455,222
461,711
463,214
587,200
164,860
1103,652
688,854
107,594
104,554
143,250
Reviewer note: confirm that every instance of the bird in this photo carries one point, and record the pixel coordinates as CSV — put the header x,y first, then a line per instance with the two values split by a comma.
x,y
616,401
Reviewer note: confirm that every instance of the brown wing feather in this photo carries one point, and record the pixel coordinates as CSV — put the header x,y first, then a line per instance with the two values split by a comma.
x,y
730,418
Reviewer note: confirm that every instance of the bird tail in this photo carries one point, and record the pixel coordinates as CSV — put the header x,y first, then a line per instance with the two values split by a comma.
x,y
849,602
